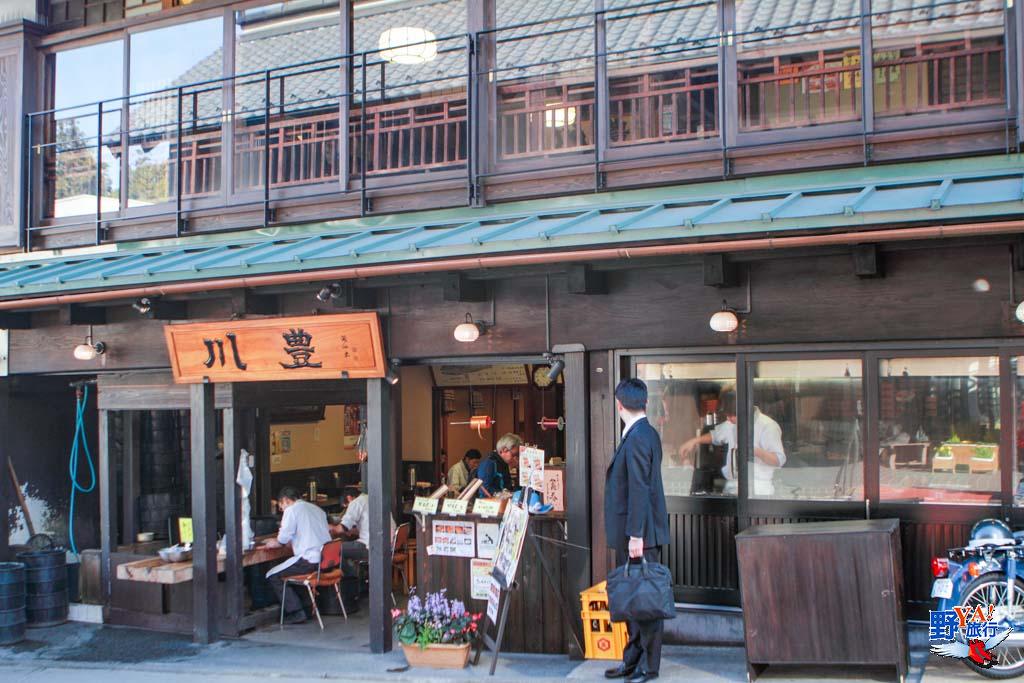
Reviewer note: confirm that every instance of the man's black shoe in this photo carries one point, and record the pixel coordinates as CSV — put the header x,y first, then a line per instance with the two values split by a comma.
x,y
642,677
621,671
298,617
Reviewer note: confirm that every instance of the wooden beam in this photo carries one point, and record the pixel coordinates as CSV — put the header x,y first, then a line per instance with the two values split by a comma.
x,y
204,514
130,475
577,480
15,321
161,309
582,279
381,485
245,302
234,441
77,314
347,80
457,287
262,452
108,509
719,271
483,147
867,261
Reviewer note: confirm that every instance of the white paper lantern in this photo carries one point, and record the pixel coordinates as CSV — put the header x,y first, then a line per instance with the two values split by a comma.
x,y
724,321
408,45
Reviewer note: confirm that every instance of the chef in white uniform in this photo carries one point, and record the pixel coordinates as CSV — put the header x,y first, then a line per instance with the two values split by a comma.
x,y
769,455
304,525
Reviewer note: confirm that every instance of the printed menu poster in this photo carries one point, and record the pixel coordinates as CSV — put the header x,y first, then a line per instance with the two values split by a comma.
x,y
510,544
493,598
480,574
531,467
487,539
454,538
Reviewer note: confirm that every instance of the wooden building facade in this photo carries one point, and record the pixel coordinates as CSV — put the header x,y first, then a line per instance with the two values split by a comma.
x,y
598,201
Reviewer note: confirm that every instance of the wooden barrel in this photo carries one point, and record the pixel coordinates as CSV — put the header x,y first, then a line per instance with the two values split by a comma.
x,y
12,602
46,587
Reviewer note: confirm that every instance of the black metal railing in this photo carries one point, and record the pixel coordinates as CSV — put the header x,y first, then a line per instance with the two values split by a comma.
x,y
567,106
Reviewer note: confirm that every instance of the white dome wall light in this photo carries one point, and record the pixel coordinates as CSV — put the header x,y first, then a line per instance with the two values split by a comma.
x,y
408,45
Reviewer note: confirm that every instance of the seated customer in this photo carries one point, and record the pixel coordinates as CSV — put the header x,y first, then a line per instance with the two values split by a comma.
x,y
494,471
355,528
304,525
459,474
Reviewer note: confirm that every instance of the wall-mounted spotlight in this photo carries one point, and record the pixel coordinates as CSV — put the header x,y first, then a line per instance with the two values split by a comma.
x,y
143,305
391,376
331,291
89,350
557,366
469,330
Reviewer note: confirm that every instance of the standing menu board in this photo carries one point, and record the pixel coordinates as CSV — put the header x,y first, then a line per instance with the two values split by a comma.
x,y
510,544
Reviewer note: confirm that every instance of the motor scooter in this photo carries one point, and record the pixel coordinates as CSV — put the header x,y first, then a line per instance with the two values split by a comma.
x,y
989,571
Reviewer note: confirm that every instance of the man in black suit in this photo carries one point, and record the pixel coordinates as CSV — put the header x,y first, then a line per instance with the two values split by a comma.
x,y
635,519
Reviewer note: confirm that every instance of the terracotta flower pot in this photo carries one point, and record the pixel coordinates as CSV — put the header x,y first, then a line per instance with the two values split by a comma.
x,y
441,656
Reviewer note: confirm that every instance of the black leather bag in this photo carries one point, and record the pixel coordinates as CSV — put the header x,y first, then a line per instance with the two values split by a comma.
x,y
641,592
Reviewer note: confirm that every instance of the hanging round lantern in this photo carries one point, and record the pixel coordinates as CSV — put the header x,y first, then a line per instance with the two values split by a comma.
x,y
559,118
408,45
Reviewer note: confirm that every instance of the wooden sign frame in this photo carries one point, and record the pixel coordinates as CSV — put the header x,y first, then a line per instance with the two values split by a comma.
x,y
341,346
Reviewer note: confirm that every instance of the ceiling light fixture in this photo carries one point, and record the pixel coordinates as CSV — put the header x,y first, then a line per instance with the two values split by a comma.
x,y
89,350
724,320
557,366
407,45
469,331
1019,313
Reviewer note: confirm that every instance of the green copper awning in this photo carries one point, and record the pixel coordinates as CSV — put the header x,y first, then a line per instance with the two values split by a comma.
x,y
860,198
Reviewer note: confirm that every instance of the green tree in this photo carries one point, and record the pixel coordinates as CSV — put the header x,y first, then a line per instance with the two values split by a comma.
x,y
76,162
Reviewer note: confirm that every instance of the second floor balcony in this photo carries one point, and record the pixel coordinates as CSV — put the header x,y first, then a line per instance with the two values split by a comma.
x,y
263,108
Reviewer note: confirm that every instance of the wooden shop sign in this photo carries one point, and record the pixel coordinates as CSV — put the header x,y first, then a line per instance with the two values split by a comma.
x,y
347,345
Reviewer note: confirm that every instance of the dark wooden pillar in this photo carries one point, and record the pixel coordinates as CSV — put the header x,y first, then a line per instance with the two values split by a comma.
x,y
130,474
261,450
6,489
20,93
204,514
234,441
603,423
108,507
577,481
379,416
483,98
345,105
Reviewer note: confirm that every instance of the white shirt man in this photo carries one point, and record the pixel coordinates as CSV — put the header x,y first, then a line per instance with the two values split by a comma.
x,y
767,437
357,516
304,526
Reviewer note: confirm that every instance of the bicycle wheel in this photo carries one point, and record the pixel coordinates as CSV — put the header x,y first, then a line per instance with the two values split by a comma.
x,y
990,589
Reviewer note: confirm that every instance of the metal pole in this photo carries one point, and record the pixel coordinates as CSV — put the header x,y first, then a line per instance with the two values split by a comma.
x,y
596,109
266,148
362,143
99,169
178,171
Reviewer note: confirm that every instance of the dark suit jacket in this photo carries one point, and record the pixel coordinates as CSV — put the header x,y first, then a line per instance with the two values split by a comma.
x,y
634,496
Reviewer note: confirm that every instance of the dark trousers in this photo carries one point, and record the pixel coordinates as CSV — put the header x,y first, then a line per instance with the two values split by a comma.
x,y
643,651
292,603
352,553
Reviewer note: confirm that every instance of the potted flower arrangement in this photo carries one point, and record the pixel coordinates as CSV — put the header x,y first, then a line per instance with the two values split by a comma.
x,y
435,632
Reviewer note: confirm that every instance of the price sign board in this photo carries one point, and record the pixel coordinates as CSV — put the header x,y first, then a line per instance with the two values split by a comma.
x,y
427,506
452,506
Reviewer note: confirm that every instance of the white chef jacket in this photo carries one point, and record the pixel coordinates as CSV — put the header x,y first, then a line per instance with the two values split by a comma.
x,y
767,436
304,525
358,515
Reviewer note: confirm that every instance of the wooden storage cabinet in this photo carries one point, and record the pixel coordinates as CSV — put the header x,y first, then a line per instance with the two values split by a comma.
x,y
823,593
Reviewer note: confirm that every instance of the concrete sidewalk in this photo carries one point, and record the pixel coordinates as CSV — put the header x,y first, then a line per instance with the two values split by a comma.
x,y
86,653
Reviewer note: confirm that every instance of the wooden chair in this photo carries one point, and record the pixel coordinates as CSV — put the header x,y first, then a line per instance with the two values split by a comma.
x,y
399,555
327,574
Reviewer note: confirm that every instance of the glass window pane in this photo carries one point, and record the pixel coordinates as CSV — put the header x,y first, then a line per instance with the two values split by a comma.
x,y
685,406
156,71
808,430
937,56
544,71
71,179
304,101
797,68
415,87
938,430
662,71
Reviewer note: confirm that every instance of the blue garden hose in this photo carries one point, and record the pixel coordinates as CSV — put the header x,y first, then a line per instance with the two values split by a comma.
x,y
81,398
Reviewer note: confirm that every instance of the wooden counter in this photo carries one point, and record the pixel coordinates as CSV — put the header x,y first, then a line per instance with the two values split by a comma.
x,y
155,570
535,621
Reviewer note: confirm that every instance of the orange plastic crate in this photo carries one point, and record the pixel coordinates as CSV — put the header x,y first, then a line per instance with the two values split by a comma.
x,y
604,638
